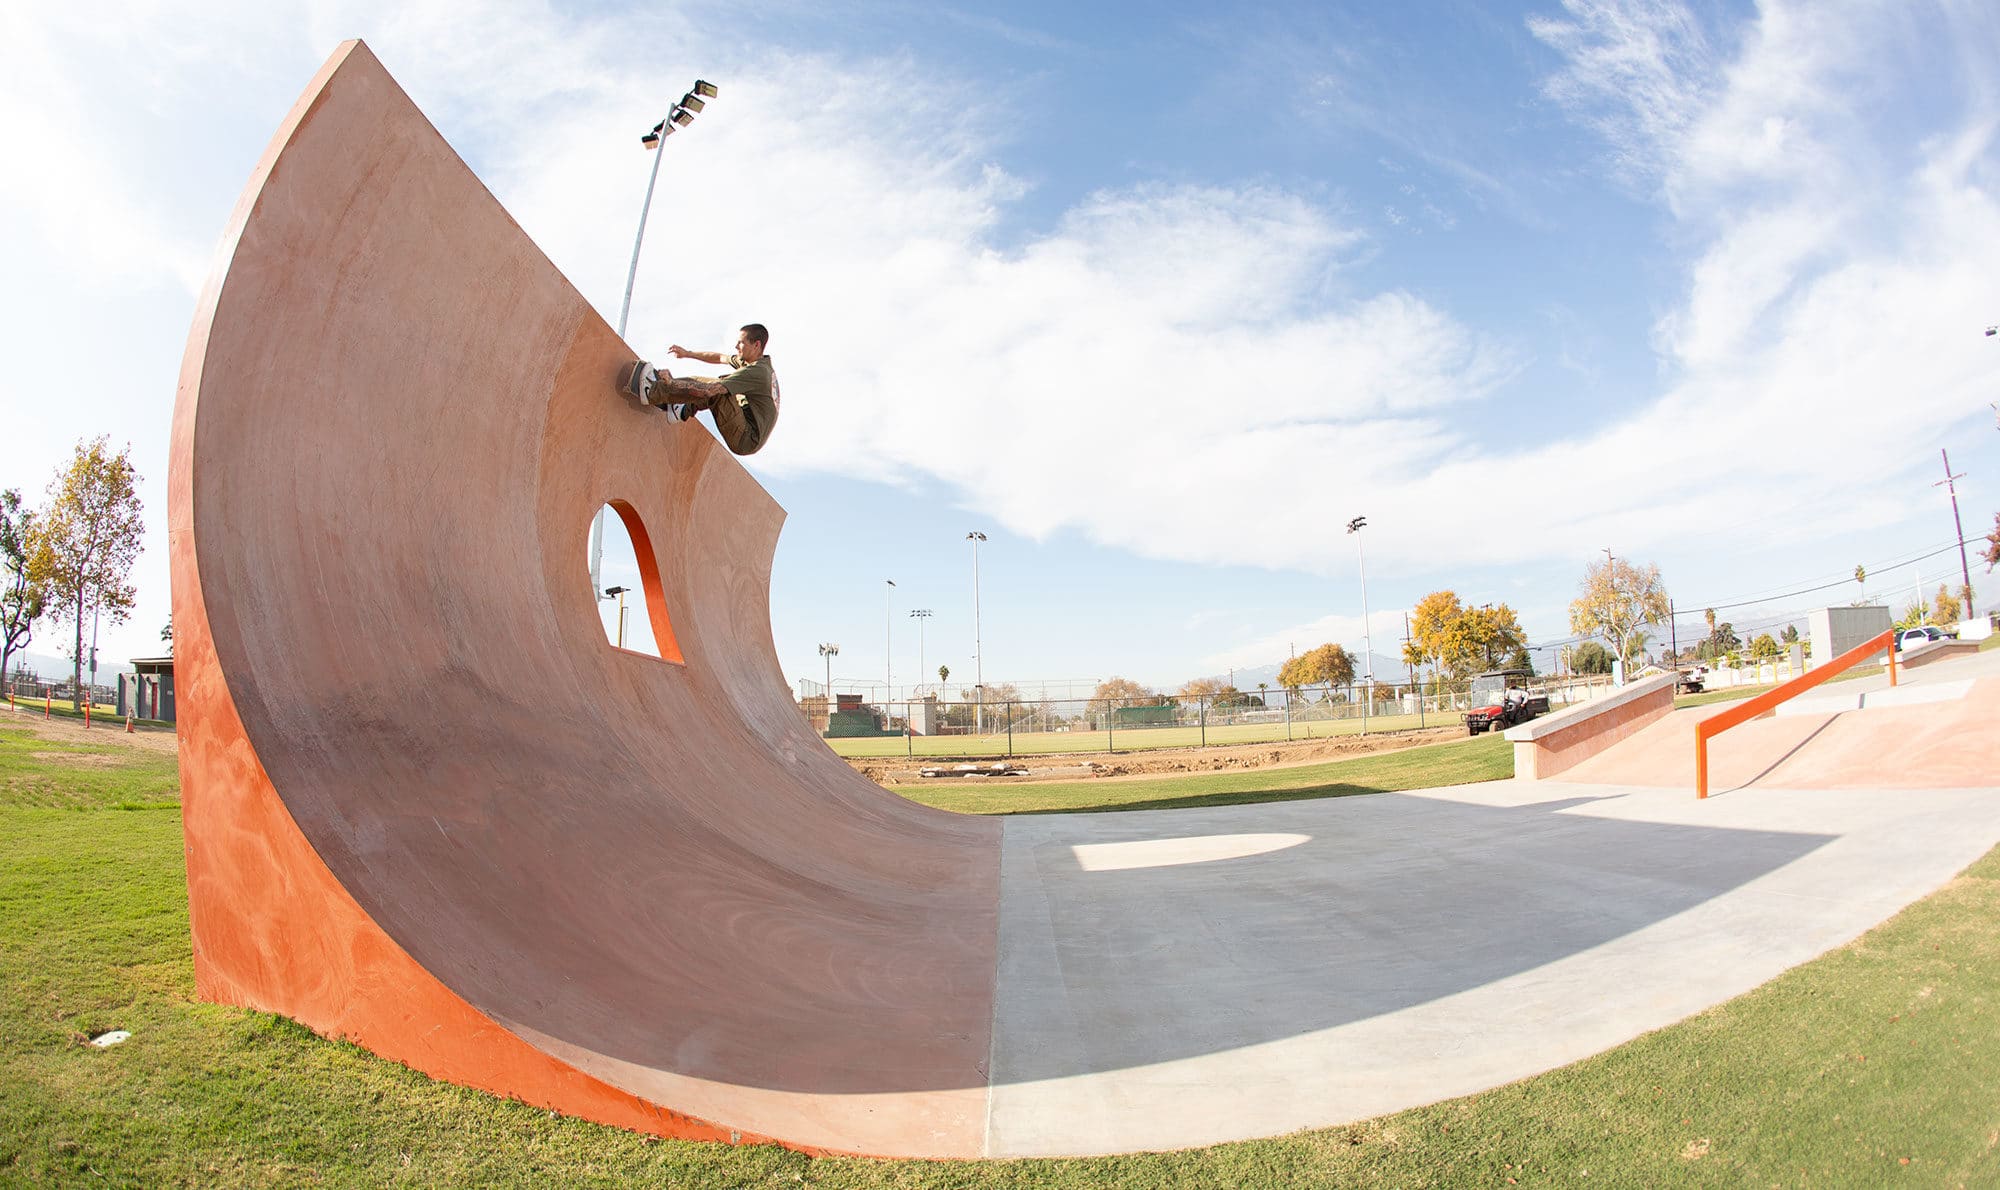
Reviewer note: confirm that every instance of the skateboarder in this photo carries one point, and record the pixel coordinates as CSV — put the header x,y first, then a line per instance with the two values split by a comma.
x,y
743,403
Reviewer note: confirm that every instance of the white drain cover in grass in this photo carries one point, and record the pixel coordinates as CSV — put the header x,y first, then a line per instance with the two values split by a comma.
x,y
107,1040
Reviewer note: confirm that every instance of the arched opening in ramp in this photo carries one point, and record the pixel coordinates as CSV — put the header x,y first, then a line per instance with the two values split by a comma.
x,y
634,614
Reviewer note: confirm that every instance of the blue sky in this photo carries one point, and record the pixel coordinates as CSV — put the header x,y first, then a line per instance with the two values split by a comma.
x,y
1157,297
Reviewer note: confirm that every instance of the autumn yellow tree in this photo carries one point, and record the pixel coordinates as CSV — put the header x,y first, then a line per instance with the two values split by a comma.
x,y
1203,688
1115,692
1329,666
84,543
1455,640
1617,599
1431,622
1945,608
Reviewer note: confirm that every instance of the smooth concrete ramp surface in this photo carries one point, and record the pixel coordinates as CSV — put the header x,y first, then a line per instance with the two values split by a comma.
x,y
430,809
427,806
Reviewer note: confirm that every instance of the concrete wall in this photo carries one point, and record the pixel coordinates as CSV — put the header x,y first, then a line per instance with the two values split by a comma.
x,y
1566,739
1838,629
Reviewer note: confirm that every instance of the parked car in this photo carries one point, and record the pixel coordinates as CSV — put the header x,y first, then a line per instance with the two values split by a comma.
x,y
1918,636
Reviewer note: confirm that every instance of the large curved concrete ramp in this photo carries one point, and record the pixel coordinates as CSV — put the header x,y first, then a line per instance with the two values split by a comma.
x,y
428,807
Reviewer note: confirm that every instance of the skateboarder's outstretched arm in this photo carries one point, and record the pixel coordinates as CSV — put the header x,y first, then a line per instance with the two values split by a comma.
x,y
707,357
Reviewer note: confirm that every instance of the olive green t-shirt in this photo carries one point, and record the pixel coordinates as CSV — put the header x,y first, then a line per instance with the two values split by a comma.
x,y
755,387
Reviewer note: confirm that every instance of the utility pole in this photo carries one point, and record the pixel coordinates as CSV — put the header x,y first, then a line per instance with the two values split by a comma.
x,y
1949,484
889,643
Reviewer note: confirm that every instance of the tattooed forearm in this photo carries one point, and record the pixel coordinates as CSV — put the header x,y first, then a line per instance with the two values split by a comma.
x,y
687,388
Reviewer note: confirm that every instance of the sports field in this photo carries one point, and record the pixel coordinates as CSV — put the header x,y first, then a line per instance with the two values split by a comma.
x,y
1128,739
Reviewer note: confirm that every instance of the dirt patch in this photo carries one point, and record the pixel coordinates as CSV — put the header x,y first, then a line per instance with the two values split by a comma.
x,y
1076,766
79,760
108,732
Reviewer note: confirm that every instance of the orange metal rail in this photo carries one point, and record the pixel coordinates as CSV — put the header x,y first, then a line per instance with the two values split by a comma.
x,y
1766,702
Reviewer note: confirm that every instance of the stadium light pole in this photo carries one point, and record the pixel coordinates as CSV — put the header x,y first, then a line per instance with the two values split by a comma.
x,y
1354,528
920,614
619,594
978,660
679,116
829,652
889,642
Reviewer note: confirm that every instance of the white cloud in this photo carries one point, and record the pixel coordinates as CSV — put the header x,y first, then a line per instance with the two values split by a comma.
x,y
1183,371
1385,624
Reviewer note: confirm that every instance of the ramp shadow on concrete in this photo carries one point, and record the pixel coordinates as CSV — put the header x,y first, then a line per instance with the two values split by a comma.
x,y
1392,902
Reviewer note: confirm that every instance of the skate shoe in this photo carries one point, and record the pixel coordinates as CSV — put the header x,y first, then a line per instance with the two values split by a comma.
x,y
677,412
640,377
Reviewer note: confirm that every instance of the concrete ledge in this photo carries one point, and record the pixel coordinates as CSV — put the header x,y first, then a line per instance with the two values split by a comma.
x,y
1569,737
1937,650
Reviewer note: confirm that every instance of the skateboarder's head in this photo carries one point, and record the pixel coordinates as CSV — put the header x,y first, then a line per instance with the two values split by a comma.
x,y
750,342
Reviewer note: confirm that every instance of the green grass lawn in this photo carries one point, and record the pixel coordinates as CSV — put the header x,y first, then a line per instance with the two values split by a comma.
x,y
1871,1066
35,772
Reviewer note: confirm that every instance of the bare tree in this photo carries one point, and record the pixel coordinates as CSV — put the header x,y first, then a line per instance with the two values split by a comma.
x,y
1616,600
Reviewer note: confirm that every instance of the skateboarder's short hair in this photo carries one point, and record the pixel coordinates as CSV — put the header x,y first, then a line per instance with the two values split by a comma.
x,y
757,333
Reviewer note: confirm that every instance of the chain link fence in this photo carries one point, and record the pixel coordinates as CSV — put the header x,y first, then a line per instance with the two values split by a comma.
x,y
934,728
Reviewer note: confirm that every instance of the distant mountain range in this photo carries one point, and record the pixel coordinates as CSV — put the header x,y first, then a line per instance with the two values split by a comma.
x,y
50,667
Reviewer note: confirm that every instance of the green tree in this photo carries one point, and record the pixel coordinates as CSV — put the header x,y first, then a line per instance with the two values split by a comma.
x,y
1790,635
944,674
1720,641
1993,545
1616,599
1591,658
1861,578
1230,696
87,539
1764,647
21,599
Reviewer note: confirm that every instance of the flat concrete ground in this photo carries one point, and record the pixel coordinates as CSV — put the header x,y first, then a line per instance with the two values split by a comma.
x,y
1185,977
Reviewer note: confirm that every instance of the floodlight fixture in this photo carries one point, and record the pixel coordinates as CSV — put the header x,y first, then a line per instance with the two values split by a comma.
x,y
613,592
1357,524
681,115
